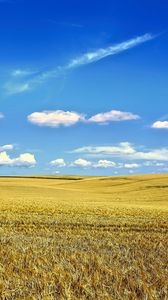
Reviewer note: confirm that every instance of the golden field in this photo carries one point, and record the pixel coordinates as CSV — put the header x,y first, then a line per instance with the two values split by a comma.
x,y
84,238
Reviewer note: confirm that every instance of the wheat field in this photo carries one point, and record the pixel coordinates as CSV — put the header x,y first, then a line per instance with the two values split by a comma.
x,y
75,238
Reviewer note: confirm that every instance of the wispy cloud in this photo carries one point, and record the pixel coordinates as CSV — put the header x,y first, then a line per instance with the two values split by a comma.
x,y
99,54
22,72
6,147
16,88
124,150
22,80
85,59
1,115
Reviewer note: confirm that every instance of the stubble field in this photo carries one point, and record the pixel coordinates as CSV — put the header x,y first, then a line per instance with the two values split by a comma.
x,y
84,238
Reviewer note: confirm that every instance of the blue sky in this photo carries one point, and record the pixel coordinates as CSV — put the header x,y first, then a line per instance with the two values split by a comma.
x,y
83,87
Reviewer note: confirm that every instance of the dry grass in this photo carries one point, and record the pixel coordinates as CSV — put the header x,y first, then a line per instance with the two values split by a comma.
x,y
84,238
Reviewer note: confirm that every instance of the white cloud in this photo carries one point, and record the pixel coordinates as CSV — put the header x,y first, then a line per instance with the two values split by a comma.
x,y
59,162
6,147
155,154
22,73
160,125
16,88
68,118
103,163
99,54
81,163
130,166
153,164
87,58
1,115
55,118
124,150
110,164
24,160
113,115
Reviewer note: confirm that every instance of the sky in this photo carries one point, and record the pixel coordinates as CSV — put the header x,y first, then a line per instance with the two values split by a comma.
x,y
83,87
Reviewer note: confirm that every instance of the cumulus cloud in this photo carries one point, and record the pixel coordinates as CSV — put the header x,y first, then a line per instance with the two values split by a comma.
x,y
24,160
59,162
130,166
160,125
68,118
82,163
125,150
103,163
55,118
113,115
6,147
